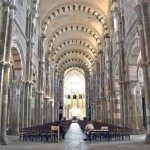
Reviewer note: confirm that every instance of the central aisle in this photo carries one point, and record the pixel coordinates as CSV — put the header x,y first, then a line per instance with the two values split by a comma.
x,y
74,136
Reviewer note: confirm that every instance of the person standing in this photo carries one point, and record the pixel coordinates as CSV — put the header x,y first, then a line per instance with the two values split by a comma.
x,y
61,130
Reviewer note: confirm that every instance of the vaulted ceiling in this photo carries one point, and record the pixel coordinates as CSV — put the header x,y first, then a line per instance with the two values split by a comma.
x,y
75,31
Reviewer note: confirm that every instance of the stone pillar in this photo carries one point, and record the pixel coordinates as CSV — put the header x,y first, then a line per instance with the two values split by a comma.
x,y
97,100
87,95
44,111
41,76
6,73
47,112
4,104
4,34
22,104
48,91
28,89
18,118
146,24
144,66
110,78
31,17
47,109
103,98
26,101
138,110
40,107
29,103
50,111
36,110
133,122
117,114
122,72
61,96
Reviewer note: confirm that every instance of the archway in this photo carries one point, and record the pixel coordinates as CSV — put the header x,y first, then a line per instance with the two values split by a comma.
x,y
74,94
14,92
135,86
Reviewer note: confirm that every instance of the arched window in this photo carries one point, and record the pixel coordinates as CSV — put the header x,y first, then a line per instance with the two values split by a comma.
x,y
74,97
80,96
68,96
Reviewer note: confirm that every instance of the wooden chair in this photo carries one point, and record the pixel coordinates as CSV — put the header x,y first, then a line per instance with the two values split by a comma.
x,y
104,135
55,133
104,127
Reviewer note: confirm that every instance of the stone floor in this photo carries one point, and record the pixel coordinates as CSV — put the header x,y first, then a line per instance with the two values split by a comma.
x,y
74,141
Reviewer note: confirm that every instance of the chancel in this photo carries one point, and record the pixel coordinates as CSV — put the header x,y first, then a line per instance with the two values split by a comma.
x,y
74,60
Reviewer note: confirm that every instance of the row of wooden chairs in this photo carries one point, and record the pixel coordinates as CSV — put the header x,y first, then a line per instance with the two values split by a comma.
x,y
115,132
45,132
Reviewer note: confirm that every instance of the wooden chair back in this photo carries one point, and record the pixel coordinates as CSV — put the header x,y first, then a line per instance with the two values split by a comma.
x,y
55,131
104,127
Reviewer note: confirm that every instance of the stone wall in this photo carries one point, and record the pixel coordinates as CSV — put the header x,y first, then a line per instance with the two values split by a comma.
x,y
21,14
0,17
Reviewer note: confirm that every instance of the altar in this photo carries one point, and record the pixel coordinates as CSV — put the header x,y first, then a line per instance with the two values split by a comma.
x,y
75,109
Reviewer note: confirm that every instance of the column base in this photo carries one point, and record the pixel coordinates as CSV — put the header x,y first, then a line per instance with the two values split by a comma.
x,y
138,131
147,139
4,141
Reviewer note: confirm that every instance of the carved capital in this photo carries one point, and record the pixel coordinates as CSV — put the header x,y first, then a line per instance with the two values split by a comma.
x,y
143,64
14,7
132,83
8,64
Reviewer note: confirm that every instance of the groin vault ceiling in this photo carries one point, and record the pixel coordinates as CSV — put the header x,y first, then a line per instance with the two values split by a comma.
x,y
75,30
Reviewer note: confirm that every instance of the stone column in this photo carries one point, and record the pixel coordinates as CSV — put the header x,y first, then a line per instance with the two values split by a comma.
x,y
47,110
44,110
39,105
117,114
97,100
36,111
103,98
50,110
87,84
122,72
48,92
31,17
41,76
29,104
110,78
22,104
7,74
4,34
4,104
146,28
133,123
18,118
26,101
145,70
56,89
